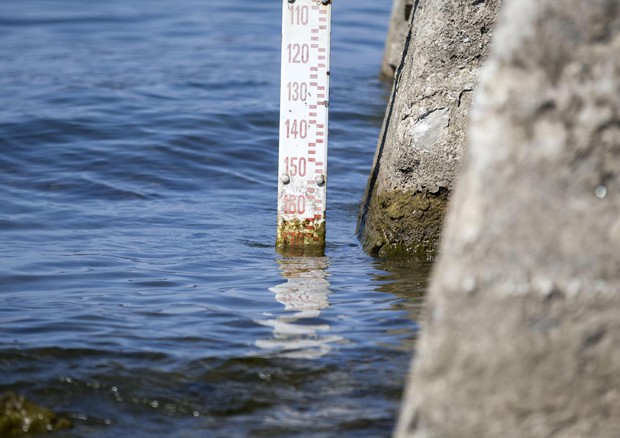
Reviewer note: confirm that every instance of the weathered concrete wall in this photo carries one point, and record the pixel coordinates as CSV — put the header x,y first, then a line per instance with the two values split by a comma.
x,y
522,337
421,144
397,34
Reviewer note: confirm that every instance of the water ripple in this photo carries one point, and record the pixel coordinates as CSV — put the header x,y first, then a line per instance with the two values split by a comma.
x,y
140,292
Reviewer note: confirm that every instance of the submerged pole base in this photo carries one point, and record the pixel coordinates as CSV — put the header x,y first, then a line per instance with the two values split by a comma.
x,y
301,237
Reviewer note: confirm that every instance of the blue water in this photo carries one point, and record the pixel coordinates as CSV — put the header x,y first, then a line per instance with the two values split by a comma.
x,y
140,292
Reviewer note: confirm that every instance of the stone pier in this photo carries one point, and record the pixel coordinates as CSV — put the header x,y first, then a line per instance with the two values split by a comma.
x,y
522,333
421,144
397,34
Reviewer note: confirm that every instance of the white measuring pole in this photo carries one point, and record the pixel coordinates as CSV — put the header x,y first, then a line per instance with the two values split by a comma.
x,y
304,104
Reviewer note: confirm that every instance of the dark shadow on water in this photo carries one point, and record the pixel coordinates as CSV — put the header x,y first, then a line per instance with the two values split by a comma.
x,y
407,278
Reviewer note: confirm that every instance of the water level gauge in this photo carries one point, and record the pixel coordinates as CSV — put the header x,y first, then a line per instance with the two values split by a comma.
x,y
304,105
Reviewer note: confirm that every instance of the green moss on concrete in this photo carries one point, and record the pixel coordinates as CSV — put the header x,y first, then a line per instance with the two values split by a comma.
x,y
404,223
20,417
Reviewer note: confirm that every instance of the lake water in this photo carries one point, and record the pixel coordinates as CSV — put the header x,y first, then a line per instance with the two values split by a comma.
x,y
140,292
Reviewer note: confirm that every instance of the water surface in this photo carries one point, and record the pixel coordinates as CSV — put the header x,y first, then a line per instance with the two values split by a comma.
x,y
140,293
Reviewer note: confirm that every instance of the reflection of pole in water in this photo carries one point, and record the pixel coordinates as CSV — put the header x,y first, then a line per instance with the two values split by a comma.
x,y
305,293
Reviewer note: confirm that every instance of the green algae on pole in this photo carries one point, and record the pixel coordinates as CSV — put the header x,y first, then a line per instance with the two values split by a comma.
x,y
304,106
